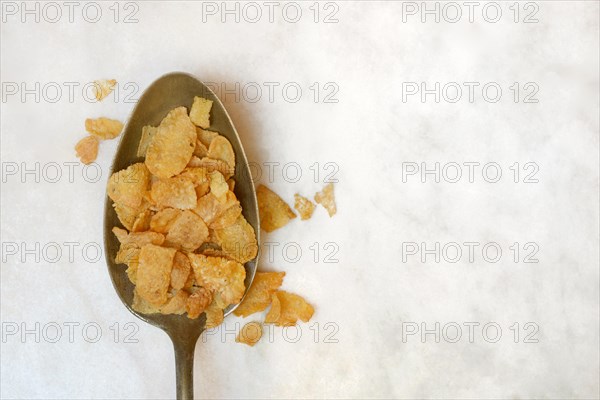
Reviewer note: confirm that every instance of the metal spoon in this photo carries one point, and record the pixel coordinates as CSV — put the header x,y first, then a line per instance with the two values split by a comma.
x,y
167,92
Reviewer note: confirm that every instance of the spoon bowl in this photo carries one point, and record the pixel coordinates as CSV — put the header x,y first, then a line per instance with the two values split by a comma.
x,y
167,92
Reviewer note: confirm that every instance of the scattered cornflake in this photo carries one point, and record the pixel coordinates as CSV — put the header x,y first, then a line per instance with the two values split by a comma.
x,y
304,206
250,334
288,308
87,149
275,310
103,87
274,212
103,128
327,199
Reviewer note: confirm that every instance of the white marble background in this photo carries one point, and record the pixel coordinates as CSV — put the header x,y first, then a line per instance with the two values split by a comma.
x,y
367,302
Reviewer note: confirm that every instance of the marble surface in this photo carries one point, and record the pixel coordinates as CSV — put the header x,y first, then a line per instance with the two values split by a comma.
x,y
386,321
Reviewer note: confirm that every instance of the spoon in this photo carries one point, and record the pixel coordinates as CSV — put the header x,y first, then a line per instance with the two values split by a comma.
x,y
167,92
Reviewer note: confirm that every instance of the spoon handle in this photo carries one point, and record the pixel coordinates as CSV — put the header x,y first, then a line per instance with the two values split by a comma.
x,y
184,367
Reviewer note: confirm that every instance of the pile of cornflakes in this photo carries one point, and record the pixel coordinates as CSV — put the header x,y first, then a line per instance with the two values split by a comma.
x,y
186,240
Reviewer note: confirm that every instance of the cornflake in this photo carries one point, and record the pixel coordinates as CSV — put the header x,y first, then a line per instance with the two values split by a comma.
x,y
327,199
274,212
172,145
176,192
304,206
187,232
238,240
250,334
103,128
103,87
200,112
221,276
147,133
260,292
287,308
154,273
87,149
128,186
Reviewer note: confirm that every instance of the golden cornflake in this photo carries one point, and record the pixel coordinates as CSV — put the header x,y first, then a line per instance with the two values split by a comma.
x,y
214,315
291,307
274,212
209,207
103,87
218,185
206,137
250,334
221,276
148,133
142,221
200,150
200,112
175,304
212,165
103,128
176,192
187,232
220,149
138,239
238,240
142,306
171,147
259,294
198,301
87,149
327,199
127,215
128,186
227,217
275,310
304,206
154,273
162,220
181,270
